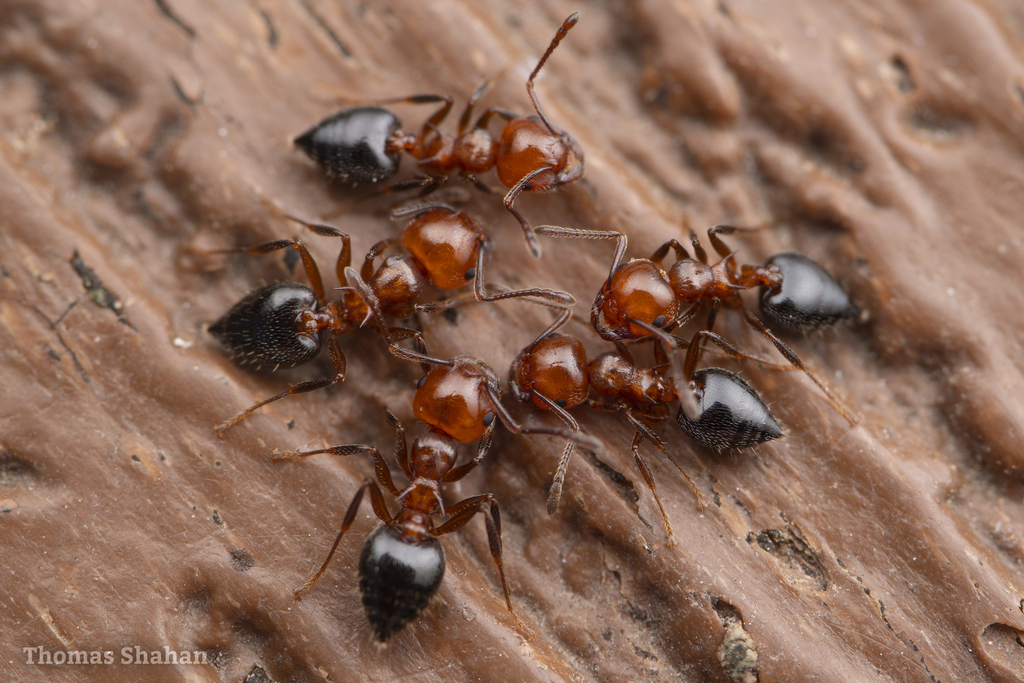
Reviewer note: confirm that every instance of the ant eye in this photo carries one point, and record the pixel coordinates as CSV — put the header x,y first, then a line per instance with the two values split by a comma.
x,y
488,419
421,382
561,403
659,321
470,274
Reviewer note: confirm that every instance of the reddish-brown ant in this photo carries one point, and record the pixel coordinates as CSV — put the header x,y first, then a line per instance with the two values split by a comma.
x,y
795,292
402,563
280,325
718,409
364,144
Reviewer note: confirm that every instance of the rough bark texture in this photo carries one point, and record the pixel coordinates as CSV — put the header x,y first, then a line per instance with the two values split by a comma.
x,y
882,139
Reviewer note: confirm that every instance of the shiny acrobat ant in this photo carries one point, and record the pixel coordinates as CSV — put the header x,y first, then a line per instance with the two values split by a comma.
x,y
280,326
402,563
718,409
364,144
795,292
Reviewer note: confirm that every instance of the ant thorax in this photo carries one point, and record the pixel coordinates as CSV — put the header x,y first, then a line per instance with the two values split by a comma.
x,y
638,290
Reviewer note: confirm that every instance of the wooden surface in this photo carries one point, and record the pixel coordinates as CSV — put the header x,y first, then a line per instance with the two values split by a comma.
x,y
882,139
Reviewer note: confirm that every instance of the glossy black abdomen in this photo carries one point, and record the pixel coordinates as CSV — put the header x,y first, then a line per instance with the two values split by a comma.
x,y
352,144
808,297
260,329
398,577
730,413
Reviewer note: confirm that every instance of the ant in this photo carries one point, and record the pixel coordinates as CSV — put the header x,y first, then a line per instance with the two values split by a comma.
x,y
365,144
795,292
402,563
279,325
718,409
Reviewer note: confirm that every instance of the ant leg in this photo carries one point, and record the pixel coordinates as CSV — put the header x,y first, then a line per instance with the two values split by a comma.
x,y
681,374
461,513
656,441
717,242
481,185
545,296
662,251
581,438
401,452
435,306
796,362
436,118
340,365
684,317
379,464
366,272
420,346
344,257
482,449
569,22
420,208
485,118
355,282
381,510
648,476
698,250
620,239
510,199
559,321
624,351
555,492
467,113
312,272
731,350
424,182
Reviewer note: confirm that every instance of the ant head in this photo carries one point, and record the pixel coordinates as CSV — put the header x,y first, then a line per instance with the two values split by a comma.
x,y
572,170
730,414
532,143
529,144
445,243
456,399
355,144
398,575
690,279
807,298
554,367
638,290
273,327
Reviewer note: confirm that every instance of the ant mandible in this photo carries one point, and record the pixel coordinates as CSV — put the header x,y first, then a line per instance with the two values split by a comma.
x,y
279,326
794,292
402,563
718,408
364,144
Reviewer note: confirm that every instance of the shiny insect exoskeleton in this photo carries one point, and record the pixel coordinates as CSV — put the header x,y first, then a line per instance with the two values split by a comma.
x,y
718,409
402,563
364,144
281,325
795,292
354,144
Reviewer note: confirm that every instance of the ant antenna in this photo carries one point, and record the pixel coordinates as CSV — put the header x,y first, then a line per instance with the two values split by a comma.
x,y
562,31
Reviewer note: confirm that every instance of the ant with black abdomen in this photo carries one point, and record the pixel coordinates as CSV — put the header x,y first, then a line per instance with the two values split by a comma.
x,y
794,292
364,144
280,325
402,564
718,409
